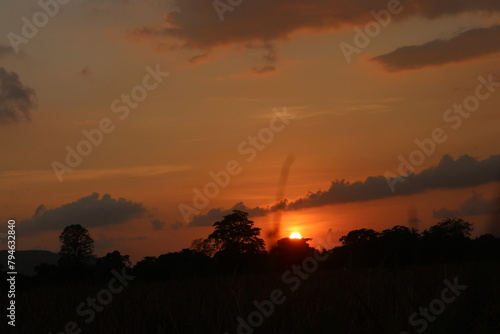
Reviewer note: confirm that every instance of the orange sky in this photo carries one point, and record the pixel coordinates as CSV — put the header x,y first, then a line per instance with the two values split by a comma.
x,y
350,120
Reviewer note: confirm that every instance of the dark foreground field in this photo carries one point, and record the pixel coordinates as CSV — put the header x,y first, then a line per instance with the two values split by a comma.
x,y
337,301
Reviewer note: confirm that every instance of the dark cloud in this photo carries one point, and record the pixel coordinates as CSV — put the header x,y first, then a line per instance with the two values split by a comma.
x,y
158,224
269,58
175,226
467,45
463,172
16,100
6,50
198,58
215,215
90,211
196,24
474,206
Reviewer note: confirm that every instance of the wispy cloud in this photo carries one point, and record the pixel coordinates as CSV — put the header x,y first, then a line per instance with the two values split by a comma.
x,y
158,225
6,50
468,45
17,101
91,174
474,206
450,173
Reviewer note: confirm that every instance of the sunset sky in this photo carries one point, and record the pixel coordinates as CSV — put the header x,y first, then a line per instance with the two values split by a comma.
x,y
329,95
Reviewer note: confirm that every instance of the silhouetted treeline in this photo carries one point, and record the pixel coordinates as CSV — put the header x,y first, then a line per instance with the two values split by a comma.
x,y
448,241
235,247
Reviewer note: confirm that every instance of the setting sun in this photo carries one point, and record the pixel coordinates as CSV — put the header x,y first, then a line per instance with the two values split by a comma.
x,y
295,235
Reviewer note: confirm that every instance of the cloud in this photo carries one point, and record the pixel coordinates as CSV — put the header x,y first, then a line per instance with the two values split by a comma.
x,y
198,58
90,211
175,226
264,69
158,224
468,45
16,100
84,175
269,58
196,24
463,172
6,50
474,206
215,215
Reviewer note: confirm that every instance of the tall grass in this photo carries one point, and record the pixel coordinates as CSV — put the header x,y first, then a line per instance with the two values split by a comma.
x,y
378,300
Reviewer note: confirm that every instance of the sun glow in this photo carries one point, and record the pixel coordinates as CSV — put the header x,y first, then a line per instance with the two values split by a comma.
x,y
295,235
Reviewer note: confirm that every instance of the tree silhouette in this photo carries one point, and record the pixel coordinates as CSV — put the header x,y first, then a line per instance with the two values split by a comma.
x,y
235,235
449,228
77,247
114,260
448,240
398,246
204,246
290,251
358,236
147,268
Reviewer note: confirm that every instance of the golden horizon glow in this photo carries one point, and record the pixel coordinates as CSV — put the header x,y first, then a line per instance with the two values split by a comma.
x,y
295,235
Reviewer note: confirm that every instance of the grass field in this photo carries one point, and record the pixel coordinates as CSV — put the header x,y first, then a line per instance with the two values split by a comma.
x,y
377,300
